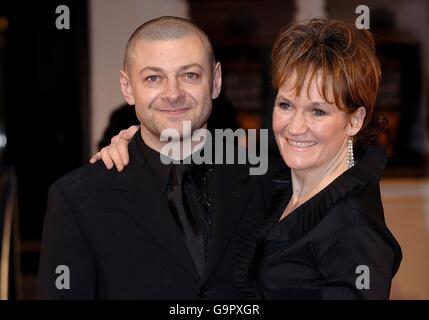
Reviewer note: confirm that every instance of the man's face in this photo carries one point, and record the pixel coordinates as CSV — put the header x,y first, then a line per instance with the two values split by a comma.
x,y
171,81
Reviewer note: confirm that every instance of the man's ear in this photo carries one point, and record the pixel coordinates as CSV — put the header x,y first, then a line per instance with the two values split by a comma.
x,y
217,80
126,88
356,121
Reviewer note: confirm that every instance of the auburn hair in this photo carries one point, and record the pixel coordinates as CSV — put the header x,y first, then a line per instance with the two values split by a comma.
x,y
345,59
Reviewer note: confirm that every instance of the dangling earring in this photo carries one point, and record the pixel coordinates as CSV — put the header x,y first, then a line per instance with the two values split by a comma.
x,y
350,157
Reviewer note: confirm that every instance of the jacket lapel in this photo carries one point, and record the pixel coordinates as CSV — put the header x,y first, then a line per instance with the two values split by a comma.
x,y
143,202
229,198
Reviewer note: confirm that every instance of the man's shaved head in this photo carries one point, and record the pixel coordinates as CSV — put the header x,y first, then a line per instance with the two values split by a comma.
x,y
166,28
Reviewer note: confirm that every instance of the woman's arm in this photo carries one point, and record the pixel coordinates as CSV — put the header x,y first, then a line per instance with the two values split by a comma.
x,y
116,153
357,263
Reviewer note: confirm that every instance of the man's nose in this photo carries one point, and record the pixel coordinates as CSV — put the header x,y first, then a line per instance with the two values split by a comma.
x,y
173,92
297,124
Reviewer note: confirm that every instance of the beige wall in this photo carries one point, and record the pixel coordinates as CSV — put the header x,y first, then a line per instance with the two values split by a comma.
x,y
111,24
406,206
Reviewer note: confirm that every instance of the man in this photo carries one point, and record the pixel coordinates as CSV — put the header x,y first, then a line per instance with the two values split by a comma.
x,y
130,234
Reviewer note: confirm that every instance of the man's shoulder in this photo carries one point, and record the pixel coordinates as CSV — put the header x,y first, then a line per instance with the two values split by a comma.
x,y
90,176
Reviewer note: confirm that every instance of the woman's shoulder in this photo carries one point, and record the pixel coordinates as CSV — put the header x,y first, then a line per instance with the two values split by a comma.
x,y
360,210
362,206
354,197
358,224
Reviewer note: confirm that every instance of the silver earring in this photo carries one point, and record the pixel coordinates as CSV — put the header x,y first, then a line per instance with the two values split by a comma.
x,y
350,157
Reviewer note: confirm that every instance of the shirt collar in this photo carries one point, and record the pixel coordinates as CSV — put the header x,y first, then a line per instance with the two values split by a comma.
x,y
162,171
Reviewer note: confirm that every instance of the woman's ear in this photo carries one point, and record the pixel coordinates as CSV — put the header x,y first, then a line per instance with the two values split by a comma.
x,y
126,88
356,121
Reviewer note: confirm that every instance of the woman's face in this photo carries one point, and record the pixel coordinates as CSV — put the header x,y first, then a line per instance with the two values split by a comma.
x,y
310,132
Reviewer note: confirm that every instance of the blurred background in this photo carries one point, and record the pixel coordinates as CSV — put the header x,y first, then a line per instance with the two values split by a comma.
x,y
60,102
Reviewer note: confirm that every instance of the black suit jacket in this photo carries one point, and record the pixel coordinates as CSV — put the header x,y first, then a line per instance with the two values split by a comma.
x,y
118,239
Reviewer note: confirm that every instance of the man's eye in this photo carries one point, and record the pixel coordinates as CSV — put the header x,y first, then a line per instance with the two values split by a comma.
x,y
153,78
318,112
192,76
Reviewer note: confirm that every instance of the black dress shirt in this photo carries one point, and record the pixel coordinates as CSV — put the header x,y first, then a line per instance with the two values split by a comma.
x,y
199,175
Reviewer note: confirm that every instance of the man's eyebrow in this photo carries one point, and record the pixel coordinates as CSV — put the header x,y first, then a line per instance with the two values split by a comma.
x,y
185,67
153,69
189,66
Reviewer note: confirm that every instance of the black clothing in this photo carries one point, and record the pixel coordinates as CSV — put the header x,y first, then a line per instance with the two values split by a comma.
x,y
121,118
182,202
317,250
152,159
182,194
115,233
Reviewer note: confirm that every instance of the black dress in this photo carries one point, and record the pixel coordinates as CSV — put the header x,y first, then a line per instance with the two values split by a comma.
x,y
334,246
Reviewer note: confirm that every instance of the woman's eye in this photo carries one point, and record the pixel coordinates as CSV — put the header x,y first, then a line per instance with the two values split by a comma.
x,y
284,105
191,76
318,112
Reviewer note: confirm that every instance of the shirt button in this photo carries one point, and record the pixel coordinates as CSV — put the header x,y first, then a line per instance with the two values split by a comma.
x,y
202,292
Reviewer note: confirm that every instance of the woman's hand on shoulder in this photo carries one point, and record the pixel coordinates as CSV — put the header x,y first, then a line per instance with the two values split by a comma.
x,y
116,153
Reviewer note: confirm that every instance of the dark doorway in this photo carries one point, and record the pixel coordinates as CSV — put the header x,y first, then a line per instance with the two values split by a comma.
x,y
45,104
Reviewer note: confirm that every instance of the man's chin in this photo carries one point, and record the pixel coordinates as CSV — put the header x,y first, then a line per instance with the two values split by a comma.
x,y
183,129
175,133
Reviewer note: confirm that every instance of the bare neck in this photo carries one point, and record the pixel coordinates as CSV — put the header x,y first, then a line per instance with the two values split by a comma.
x,y
307,183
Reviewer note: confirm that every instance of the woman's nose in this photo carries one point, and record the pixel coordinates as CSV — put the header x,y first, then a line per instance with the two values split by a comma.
x,y
297,124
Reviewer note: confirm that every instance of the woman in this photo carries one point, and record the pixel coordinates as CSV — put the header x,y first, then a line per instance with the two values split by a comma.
x,y
325,236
